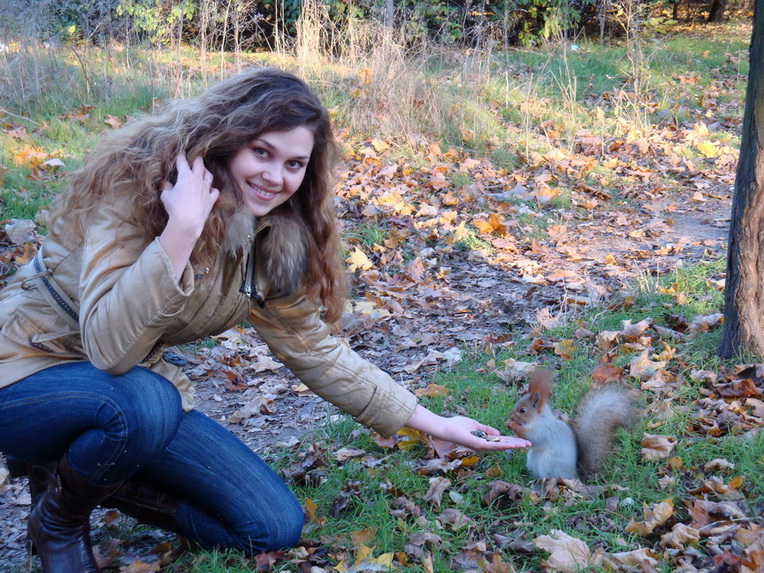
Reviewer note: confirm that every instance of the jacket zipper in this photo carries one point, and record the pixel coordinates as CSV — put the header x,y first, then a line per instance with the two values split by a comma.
x,y
249,283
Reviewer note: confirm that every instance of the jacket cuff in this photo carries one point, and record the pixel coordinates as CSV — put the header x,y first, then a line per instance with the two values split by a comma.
x,y
390,407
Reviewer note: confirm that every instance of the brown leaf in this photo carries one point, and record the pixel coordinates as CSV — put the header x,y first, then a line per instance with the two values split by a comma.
x,y
606,371
432,390
113,122
567,554
455,518
643,368
632,332
503,494
642,559
653,517
738,389
656,447
344,454
139,566
363,536
680,535
438,486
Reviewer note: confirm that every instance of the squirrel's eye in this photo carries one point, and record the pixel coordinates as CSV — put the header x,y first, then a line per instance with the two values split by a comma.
x,y
523,410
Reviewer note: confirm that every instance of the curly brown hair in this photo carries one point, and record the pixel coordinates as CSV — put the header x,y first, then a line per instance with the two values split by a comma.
x,y
215,125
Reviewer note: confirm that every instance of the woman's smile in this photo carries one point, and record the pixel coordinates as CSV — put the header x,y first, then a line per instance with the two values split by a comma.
x,y
271,168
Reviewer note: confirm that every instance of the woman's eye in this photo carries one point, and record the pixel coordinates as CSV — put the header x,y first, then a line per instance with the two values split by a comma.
x,y
295,164
260,152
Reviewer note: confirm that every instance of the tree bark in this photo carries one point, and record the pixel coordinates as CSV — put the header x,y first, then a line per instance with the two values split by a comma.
x,y
744,293
716,12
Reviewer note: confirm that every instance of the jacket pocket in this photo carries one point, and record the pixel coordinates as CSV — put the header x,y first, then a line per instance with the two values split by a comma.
x,y
36,325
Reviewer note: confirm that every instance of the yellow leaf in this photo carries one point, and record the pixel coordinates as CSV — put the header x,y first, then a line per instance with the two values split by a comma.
x,y
736,483
461,232
364,552
365,75
708,149
385,560
469,461
379,145
545,194
610,260
492,225
30,156
310,508
410,439
565,349
359,260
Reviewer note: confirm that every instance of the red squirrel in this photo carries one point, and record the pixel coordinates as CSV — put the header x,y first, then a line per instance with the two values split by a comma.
x,y
559,450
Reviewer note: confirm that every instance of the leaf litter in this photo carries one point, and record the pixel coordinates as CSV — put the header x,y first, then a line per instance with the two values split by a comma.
x,y
446,251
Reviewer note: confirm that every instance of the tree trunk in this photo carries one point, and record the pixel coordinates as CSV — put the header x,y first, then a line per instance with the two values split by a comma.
x,y
716,12
744,293
389,14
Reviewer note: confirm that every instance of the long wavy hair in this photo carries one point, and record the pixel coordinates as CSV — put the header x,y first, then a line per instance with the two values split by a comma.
x,y
139,157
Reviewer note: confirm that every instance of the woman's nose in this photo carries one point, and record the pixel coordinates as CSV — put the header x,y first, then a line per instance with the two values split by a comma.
x,y
273,175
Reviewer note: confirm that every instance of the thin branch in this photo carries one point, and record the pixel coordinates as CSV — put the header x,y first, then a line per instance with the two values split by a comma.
x,y
6,112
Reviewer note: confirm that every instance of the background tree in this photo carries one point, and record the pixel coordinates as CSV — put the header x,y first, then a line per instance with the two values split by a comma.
x,y
744,296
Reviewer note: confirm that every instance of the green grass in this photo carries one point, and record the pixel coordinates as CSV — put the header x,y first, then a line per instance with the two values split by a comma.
x,y
472,386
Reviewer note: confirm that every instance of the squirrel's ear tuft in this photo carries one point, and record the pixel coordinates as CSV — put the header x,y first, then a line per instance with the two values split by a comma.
x,y
540,387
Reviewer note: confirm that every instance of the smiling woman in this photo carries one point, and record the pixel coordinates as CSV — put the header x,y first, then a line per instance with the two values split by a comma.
x,y
271,169
178,227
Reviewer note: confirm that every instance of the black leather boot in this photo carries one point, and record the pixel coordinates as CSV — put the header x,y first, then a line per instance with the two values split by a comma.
x,y
146,503
59,525
39,475
135,498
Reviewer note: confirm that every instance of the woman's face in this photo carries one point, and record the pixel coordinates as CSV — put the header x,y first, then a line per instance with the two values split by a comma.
x,y
271,168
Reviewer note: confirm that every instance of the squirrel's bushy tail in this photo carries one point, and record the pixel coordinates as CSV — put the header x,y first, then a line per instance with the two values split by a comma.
x,y
599,415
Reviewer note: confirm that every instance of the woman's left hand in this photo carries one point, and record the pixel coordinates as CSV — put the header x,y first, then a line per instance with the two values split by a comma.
x,y
463,431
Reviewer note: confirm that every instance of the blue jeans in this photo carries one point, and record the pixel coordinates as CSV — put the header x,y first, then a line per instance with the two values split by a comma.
x,y
113,427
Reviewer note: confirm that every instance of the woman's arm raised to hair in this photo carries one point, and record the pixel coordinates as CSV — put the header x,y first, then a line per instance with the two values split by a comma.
x,y
188,204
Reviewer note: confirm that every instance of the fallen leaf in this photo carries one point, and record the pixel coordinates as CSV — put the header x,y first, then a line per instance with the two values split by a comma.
x,y
656,447
567,554
654,516
359,260
680,535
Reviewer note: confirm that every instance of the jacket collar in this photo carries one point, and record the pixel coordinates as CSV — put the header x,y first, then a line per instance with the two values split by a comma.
x,y
276,247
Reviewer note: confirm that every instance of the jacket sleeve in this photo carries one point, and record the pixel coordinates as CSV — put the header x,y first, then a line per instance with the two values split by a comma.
x,y
128,291
295,333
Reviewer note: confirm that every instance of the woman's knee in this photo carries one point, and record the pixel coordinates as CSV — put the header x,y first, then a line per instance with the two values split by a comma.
x,y
282,530
151,407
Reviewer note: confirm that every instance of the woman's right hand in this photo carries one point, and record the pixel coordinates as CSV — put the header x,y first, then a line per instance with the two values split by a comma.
x,y
188,204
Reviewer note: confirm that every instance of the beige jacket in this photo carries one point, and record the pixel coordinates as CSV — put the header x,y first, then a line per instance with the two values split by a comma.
x,y
113,300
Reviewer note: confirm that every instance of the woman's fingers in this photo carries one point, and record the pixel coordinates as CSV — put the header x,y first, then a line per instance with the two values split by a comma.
x,y
182,163
197,167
